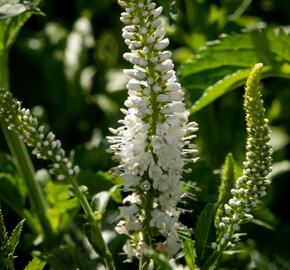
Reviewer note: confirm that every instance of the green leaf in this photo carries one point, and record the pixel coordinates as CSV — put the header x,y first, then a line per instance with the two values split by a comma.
x,y
63,209
35,264
227,183
8,244
3,232
71,257
203,227
224,85
159,259
13,15
12,192
264,218
15,236
188,248
225,64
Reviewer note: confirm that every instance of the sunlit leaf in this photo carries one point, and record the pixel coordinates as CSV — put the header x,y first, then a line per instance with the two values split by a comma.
x,y
35,264
63,209
188,248
235,53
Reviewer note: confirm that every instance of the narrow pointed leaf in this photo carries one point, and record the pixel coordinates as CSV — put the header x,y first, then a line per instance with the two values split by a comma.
x,y
15,236
3,232
189,250
203,227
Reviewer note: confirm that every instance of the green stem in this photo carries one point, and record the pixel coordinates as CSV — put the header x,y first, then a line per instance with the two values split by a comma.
x,y
211,262
103,249
23,160
148,206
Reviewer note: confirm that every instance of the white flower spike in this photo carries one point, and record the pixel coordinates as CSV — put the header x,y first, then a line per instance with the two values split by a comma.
x,y
154,143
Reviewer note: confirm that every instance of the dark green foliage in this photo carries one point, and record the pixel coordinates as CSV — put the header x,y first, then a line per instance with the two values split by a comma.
x,y
203,230
80,115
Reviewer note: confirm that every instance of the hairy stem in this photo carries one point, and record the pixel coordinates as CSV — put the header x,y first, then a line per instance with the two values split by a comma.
x,y
23,160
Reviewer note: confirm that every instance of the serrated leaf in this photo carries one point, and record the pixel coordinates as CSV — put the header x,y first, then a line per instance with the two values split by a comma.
x,y
3,232
8,244
188,248
235,53
15,236
227,183
203,227
35,264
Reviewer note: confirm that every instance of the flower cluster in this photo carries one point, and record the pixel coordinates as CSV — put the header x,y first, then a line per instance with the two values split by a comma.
x,y
154,144
253,183
44,144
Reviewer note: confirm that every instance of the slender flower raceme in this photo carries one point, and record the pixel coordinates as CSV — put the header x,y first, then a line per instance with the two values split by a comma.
x,y
251,186
44,144
154,144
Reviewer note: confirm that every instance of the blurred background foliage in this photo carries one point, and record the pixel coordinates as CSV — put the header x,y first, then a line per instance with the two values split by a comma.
x,y
67,67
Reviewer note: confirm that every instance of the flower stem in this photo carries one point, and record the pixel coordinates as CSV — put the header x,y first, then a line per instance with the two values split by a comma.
x,y
23,160
103,249
212,261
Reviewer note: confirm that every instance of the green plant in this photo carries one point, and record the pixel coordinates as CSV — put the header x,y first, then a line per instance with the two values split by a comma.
x,y
71,210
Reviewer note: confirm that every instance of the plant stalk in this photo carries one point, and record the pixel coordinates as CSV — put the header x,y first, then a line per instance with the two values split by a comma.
x,y
103,249
23,161
211,262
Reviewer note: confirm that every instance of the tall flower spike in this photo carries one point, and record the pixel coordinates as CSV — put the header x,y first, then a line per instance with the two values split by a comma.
x,y
251,186
154,144
44,144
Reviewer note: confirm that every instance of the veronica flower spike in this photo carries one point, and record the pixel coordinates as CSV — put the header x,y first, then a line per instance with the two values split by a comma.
x,y
252,185
153,145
